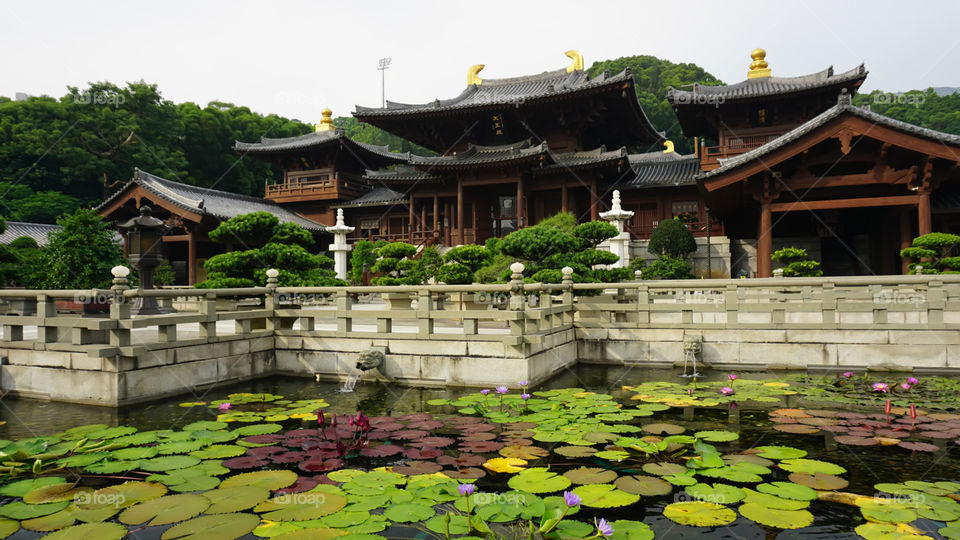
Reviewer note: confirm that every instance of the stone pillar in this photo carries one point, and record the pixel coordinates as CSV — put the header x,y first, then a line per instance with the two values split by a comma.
x,y
620,244
339,247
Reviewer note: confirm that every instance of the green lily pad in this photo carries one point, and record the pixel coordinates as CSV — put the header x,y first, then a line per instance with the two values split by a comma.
x,y
234,499
205,425
220,527
664,429
165,510
571,528
112,467
538,480
134,453
624,529
699,514
772,501
890,513
663,469
111,433
779,519
811,466
788,490
67,517
219,451
22,487
590,475
8,527
408,512
604,496
20,510
648,486
575,451
445,523
733,473
257,429
780,452
123,495
717,436
612,455
168,463
55,493
178,447
346,518
90,531
300,506
195,483
821,481
717,493
82,460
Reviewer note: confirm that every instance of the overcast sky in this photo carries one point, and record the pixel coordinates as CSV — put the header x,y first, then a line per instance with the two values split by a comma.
x,y
295,58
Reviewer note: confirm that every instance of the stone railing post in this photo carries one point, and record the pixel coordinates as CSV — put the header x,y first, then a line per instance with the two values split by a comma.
x,y
424,312
270,301
516,298
828,305
208,308
566,298
120,306
46,309
936,302
344,304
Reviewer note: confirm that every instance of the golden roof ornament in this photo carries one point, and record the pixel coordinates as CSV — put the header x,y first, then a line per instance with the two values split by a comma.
x,y
668,147
472,75
577,64
326,124
759,67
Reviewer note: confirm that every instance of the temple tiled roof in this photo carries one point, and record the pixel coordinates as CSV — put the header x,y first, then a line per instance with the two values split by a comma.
x,y
844,107
400,174
500,92
378,196
588,158
767,86
476,155
659,169
210,202
37,231
268,146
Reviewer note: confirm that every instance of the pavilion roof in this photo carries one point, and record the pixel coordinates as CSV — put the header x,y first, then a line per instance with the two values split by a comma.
x,y
480,156
401,174
317,139
764,87
588,158
37,231
203,201
659,169
842,107
378,196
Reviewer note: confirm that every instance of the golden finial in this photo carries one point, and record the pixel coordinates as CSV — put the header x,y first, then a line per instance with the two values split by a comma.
x,y
758,68
577,64
669,147
472,75
326,124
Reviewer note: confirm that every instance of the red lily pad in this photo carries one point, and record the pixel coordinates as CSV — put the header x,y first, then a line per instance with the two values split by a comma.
x,y
383,450
428,425
418,467
320,465
272,438
289,457
409,434
436,442
938,434
478,436
324,479
919,446
295,433
796,428
416,417
245,462
463,460
480,447
466,473
834,429
856,441
513,441
303,483
389,426
473,428
264,452
423,453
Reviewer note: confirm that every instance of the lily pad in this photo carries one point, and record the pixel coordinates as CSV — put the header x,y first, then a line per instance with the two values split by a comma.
x,y
663,469
590,475
780,452
811,466
699,514
409,512
821,481
889,513
219,527
717,436
788,490
22,487
168,463
539,480
90,531
575,451
772,501
779,519
165,510
300,506
54,493
648,486
505,465
717,493
20,510
266,479
604,496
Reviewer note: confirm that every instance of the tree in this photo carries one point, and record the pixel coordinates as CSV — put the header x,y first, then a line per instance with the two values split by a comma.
x,y
461,263
364,254
79,255
797,263
667,267
932,252
672,238
270,244
396,265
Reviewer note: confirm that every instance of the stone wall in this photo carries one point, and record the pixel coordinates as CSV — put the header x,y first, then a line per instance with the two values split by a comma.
x,y
719,256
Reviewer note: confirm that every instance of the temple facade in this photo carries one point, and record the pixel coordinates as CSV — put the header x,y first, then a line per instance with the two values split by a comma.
x,y
779,161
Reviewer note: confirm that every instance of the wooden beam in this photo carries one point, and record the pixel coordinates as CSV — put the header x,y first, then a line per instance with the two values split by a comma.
x,y
889,176
833,204
488,182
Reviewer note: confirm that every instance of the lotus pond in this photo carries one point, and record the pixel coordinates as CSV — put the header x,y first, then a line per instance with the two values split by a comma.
x,y
595,453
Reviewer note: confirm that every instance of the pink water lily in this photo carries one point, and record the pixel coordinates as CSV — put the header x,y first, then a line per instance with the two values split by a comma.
x,y
224,406
848,374
906,386
881,387
732,377
912,380
727,391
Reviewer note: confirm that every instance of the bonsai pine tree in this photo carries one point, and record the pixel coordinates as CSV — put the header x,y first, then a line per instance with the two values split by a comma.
x,y
932,252
270,244
796,263
396,265
79,255
364,253
460,264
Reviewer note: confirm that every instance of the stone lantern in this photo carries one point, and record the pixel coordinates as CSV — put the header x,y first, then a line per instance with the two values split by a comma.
x,y
620,244
144,235
339,247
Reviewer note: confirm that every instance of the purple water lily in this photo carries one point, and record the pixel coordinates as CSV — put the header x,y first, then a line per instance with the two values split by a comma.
x,y
502,389
485,391
524,383
524,396
571,498
604,528
466,489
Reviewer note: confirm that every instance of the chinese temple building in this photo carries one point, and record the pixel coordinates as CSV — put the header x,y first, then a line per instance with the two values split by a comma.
x,y
779,161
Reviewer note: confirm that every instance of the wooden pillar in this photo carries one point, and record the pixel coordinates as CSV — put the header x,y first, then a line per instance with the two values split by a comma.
x,y
191,258
764,239
564,205
423,218
594,202
925,220
447,213
459,213
436,214
410,224
906,237
521,222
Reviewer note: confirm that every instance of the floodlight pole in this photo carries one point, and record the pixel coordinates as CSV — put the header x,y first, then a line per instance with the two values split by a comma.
x,y
382,66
